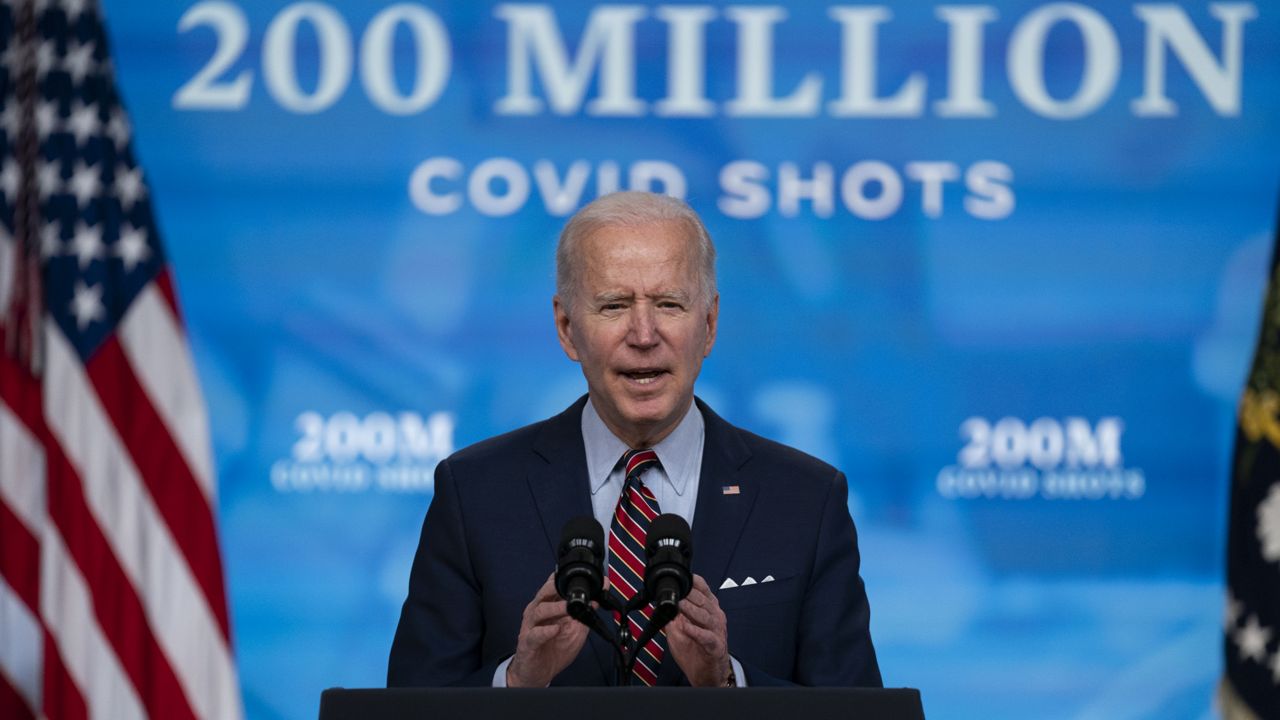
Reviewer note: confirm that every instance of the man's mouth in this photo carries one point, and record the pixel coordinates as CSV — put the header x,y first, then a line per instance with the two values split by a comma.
x,y
643,376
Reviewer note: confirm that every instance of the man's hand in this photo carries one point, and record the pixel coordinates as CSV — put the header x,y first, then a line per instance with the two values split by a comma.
x,y
549,640
699,637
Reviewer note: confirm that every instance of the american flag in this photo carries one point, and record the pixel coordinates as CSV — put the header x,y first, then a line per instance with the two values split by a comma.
x,y
1250,687
112,600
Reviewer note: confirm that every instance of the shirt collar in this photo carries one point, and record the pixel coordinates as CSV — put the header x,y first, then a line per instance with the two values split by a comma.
x,y
678,452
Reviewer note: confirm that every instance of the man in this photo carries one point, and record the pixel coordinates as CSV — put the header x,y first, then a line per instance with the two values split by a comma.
x,y
776,599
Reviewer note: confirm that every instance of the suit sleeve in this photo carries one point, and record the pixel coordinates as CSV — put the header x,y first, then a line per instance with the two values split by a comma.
x,y
438,640
834,640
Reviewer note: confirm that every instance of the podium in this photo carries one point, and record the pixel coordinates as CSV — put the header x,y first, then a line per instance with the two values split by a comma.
x,y
622,703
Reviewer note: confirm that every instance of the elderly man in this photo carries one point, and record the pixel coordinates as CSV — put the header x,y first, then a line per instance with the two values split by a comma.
x,y
776,598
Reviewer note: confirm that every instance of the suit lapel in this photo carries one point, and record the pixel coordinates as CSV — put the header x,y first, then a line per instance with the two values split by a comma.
x,y
558,473
718,518
561,491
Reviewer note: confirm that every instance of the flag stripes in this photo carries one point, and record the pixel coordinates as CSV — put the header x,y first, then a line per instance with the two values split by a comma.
x,y
136,534
20,561
60,696
20,659
161,467
66,606
117,608
152,338
112,596
12,704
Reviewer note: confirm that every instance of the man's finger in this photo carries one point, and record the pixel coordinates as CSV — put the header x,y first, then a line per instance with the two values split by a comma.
x,y
548,611
540,635
700,584
676,630
694,614
708,640
701,593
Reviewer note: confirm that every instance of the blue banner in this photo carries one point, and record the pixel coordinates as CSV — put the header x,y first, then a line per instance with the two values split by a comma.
x,y
1001,263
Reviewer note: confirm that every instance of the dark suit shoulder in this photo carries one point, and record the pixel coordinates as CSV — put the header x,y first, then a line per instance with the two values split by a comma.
x,y
500,447
798,463
785,472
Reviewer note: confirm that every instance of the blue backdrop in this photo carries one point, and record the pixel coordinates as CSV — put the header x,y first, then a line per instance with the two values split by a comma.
x,y
1000,263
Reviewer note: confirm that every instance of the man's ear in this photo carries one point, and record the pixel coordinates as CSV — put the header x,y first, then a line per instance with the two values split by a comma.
x,y
562,328
713,320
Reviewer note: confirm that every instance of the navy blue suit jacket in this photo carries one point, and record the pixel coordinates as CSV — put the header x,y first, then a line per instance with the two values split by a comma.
x,y
490,535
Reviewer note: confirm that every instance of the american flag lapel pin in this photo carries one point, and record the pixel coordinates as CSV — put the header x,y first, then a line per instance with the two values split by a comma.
x,y
729,490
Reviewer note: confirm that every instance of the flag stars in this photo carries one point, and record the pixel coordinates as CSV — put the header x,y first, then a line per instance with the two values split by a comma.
x,y
9,120
86,304
47,119
128,185
9,58
46,57
10,176
1232,611
49,178
1268,531
51,239
132,247
79,62
118,129
84,122
85,183
74,9
1252,639
87,245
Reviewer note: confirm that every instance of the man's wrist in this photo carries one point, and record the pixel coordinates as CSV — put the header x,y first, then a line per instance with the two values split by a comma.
x,y
718,675
513,674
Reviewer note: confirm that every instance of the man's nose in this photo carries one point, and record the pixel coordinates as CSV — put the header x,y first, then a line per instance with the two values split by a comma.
x,y
643,332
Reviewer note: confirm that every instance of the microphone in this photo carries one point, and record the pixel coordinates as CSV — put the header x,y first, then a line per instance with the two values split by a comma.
x,y
580,566
668,553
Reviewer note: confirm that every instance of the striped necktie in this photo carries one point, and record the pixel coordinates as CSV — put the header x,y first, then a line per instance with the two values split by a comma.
x,y
637,507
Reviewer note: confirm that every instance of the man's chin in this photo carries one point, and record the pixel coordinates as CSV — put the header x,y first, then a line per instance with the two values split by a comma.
x,y
653,418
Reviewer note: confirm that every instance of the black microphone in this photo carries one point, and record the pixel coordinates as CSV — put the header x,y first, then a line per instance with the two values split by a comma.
x,y
580,566
668,551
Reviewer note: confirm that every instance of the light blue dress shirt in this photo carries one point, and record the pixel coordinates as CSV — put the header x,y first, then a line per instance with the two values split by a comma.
x,y
674,482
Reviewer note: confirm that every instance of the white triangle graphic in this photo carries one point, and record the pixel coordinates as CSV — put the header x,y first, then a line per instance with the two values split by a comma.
x,y
749,581
728,583
767,578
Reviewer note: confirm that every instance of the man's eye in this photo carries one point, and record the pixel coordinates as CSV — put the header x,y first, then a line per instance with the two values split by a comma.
x,y
611,306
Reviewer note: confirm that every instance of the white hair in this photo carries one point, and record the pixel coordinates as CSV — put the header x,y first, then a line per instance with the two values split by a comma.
x,y
631,208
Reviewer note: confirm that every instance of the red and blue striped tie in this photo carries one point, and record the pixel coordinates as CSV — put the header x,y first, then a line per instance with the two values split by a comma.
x,y
637,507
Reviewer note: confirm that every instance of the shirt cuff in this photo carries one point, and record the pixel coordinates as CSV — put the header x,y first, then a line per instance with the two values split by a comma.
x,y
738,674
500,675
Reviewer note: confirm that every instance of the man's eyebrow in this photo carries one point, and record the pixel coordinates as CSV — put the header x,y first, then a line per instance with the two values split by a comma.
x,y
608,297
680,295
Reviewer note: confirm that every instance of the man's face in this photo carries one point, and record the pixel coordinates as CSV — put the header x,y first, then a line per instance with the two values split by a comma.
x,y
640,327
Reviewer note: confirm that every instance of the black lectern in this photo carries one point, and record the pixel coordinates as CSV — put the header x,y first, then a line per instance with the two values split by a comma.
x,y
621,703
